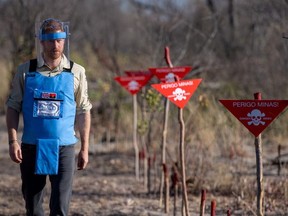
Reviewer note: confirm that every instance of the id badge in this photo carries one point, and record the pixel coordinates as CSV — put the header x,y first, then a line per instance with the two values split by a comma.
x,y
47,108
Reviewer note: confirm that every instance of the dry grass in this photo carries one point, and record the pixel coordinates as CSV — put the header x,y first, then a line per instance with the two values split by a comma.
x,y
4,84
220,157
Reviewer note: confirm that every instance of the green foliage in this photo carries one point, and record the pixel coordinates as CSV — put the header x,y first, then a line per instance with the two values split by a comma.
x,y
153,99
142,127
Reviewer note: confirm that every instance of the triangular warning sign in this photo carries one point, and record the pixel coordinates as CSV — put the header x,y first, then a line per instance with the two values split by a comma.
x,y
179,92
139,73
167,74
133,83
255,115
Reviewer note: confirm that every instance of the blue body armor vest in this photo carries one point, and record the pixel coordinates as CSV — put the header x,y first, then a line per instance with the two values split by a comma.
x,y
49,107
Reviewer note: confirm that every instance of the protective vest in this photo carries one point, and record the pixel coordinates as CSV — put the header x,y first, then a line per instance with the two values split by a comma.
x,y
49,107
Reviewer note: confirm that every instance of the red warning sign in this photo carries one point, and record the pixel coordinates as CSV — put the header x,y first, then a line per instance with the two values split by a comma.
x,y
255,115
179,92
167,74
133,83
139,73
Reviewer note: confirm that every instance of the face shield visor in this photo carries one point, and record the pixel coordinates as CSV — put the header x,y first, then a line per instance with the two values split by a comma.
x,y
51,29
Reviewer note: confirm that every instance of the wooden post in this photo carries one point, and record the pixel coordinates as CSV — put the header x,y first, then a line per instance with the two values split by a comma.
x,y
202,205
175,180
213,208
135,144
228,212
164,137
166,200
259,166
185,208
143,157
182,159
145,164
149,176
165,125
152,178
279,159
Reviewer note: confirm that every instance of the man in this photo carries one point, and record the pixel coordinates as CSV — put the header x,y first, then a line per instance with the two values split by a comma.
x,y
51,92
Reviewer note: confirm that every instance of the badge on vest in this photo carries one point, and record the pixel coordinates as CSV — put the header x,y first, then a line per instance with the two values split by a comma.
x,y
46,108
48,95
47,104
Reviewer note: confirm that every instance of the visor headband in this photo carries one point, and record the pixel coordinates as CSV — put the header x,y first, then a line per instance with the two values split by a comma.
x,y
53,36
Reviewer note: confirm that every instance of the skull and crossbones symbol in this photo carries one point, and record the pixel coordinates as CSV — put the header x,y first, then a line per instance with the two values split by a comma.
x,y
256,117
170,77
133,85
179,94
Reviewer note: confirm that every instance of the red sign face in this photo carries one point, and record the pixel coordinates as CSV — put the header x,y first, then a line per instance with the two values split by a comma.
x,y
139,73
255,115
179,92
133,83
167,74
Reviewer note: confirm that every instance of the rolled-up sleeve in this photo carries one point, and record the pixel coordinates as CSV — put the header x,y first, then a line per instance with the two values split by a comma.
x,y
83,103
15,97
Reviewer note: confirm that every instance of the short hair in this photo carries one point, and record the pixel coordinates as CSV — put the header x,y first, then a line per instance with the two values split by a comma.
x,y
51,25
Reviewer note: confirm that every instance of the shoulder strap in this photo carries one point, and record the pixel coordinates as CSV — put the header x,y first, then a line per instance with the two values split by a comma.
x,y
33,65
69,69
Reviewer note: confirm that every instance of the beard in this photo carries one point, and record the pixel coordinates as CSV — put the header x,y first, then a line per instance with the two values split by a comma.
x,y
54,54
53,49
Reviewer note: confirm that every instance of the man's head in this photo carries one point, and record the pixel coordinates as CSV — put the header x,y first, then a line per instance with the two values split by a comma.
x,y
52,29
52,37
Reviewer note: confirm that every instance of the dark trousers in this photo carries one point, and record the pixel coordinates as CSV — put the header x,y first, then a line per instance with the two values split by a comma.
x,y
61,184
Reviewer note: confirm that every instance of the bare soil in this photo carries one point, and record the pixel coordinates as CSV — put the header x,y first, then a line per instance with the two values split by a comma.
x,y
108,187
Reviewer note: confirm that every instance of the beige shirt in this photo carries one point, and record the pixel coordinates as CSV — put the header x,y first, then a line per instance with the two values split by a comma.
x,y
80,84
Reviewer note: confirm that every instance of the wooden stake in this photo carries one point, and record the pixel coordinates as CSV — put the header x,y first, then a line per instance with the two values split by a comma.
x,y
228,212
165,125
213,208
175,180
166,200
149,176
202,205
164,137
279,159
135,144
259,165
182,159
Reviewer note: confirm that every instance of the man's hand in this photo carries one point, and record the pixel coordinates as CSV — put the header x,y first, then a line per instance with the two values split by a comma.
x,y
83,122
15,152
82,159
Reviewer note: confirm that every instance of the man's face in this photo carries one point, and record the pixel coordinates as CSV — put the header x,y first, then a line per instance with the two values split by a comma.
x,y
53,49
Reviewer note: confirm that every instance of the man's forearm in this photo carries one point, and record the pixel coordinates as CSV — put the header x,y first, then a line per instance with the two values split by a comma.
x,y
83,121
12,122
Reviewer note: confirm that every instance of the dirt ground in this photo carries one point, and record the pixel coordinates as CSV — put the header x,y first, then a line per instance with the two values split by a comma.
x,y
108,187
